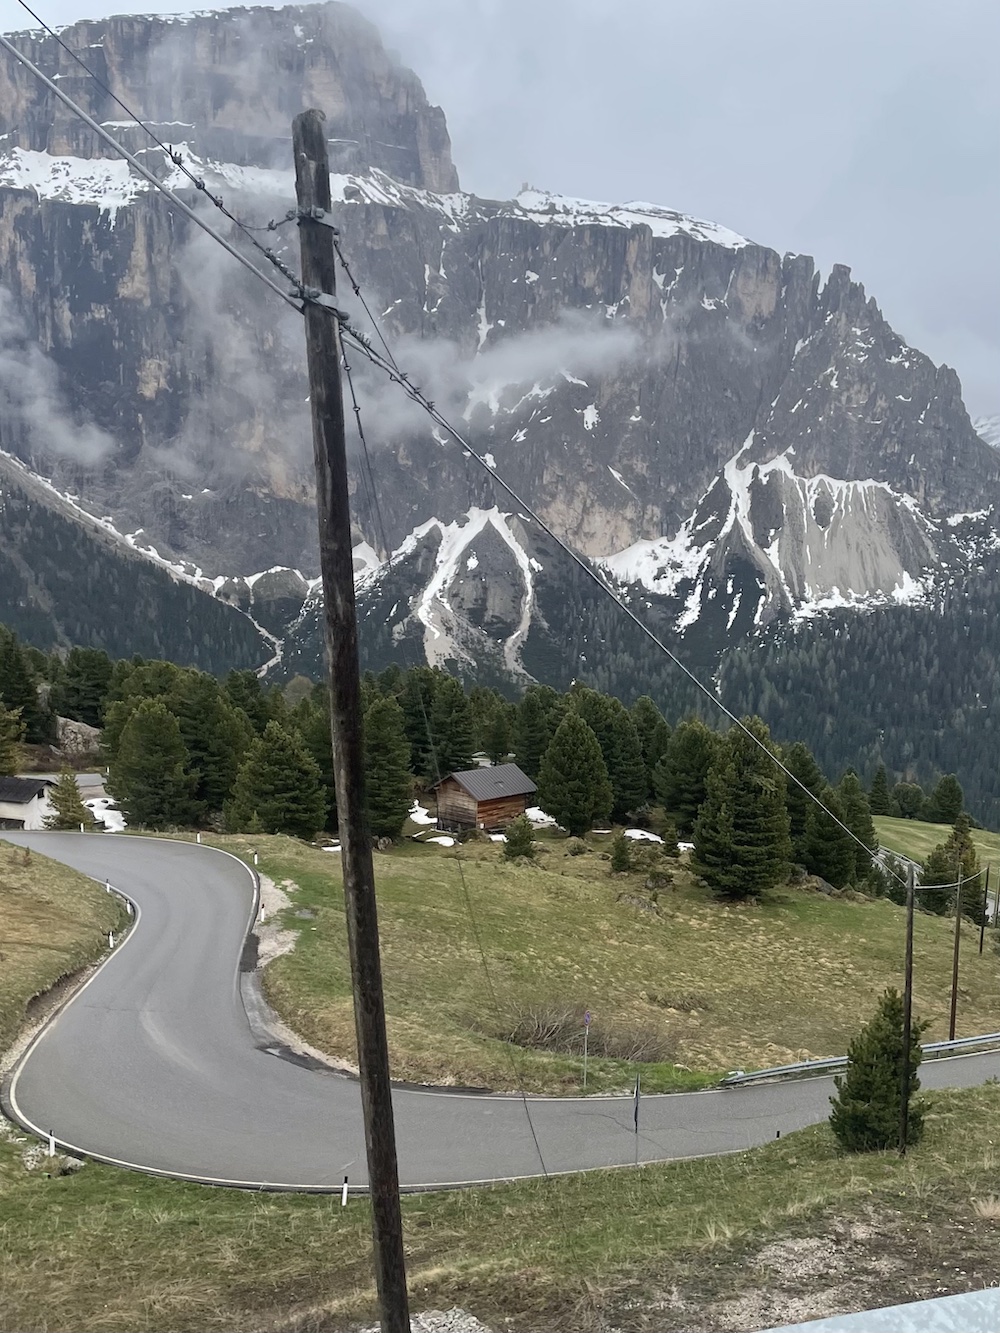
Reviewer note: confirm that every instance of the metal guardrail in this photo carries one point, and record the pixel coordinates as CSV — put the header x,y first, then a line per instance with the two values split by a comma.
x,y
810,1067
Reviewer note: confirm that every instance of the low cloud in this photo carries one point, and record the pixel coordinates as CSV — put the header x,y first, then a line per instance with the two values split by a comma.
x,y
32,402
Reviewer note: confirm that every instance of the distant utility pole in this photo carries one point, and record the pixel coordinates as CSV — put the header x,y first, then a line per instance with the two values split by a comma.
x,y
904,1101
986,910
316,233
954,961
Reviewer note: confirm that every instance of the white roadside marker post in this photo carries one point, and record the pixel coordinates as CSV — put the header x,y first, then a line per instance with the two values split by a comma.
x,y
343,1194
586,1033
111,939
52,1144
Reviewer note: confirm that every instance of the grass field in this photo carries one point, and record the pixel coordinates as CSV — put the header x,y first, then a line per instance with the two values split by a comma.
x,y
53,920
915,839
790,1231
722,987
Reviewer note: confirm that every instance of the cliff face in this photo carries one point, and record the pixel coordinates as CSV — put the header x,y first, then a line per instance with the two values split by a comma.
x,y
706,418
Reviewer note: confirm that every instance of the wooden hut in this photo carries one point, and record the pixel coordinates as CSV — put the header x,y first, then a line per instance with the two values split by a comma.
x,y
486,798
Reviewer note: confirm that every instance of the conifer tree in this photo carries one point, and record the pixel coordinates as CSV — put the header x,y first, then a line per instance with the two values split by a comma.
x,y
609,720
879,797
149,774
11,733
82,684
451,729
938,881
387,771
827,850
498,735
573,784
858,818
520,839
946,800
417,702
311,719
654,734
909,798
243,689
279,785
799,761
681,775
741,842
19,690
866,1108
215,733
621,855
68,809
531,733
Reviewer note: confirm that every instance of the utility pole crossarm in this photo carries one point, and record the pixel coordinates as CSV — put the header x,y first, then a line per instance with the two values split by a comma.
x,y
312,185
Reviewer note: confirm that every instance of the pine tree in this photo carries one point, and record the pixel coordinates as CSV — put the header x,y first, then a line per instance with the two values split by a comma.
x,y
866,1109
520,839
149,774
858,818
799,761
497,735
946,800
573,784
243,689
827,850
311,719
387,772
681,775
215,733
11,734
621,855
451,729
962,850
654,734
909,797
19,690
741,842
280,785
531,733
879,797
68,809
938,876
82,684
611,723
417,703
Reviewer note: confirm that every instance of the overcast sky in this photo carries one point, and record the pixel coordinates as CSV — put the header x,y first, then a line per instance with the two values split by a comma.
x,y
859,131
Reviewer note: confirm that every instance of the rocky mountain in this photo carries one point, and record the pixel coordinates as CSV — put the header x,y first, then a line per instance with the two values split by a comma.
x,y
730,437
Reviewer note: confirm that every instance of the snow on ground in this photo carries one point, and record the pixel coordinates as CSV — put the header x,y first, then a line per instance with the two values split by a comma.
x,y
100,808
685,846
444,841
539,818
420,815
542,206
498,837
106,183
642,835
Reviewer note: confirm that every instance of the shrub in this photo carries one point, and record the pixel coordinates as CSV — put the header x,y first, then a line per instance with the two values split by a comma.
x,y
621,855
865,1115
519,839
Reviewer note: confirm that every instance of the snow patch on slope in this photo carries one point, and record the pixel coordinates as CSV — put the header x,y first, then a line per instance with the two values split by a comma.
x,y
543,206
433,609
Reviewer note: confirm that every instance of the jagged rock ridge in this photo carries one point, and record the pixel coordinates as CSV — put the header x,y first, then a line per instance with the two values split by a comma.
x,y
704,417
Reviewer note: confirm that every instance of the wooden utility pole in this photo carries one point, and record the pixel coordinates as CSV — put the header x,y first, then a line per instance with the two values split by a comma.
x,y
312,186
904,1100
954,961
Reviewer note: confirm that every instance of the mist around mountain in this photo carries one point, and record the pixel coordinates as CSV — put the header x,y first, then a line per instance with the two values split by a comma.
x,y
742,446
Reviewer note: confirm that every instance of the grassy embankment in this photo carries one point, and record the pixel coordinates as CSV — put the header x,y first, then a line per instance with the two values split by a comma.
x,y
913,838
790,1231
53,921
715,987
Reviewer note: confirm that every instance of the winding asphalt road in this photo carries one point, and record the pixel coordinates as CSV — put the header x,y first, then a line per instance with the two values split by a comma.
x,y
155,1064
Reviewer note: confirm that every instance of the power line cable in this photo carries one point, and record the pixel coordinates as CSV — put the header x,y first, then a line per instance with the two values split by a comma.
x,y
400,377
175,157
417,396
